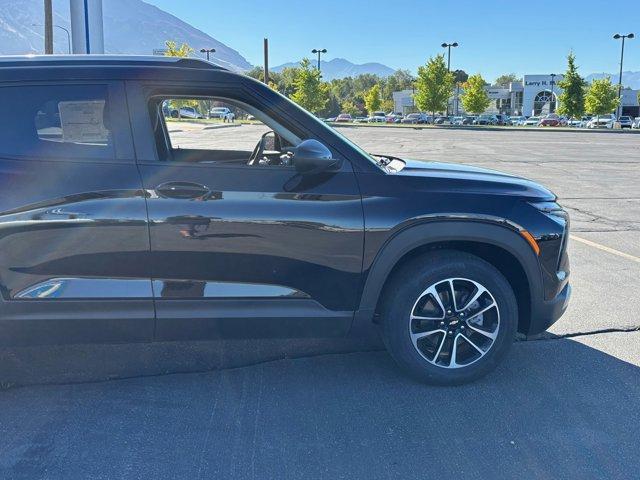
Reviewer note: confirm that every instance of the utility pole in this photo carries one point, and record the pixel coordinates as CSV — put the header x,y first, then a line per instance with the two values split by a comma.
x,y
617,36
448,47
266,61
48,28
552,102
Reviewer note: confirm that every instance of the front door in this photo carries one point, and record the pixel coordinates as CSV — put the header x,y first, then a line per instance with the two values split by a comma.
x,y
243,246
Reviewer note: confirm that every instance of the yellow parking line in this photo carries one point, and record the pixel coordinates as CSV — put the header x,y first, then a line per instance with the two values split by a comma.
x,y
604,248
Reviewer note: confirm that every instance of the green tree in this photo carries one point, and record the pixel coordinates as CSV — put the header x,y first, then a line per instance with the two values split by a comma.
x,y
573,86
310,92
372,99
506,79
601,98
173,50
348,106
434,85
183,51
474,97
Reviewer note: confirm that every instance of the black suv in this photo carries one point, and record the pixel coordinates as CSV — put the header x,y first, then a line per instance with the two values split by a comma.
x,y
119,223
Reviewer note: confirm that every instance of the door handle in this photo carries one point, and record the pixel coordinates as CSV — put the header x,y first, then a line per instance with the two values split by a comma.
x,y
182,190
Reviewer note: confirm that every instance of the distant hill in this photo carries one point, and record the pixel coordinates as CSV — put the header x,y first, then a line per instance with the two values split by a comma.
x,y
629,79
341,68
130,26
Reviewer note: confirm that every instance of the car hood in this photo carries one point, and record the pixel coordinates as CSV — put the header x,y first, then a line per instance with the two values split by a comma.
x,y
468,179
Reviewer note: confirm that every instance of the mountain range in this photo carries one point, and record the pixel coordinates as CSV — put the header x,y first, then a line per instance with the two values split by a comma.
x,y
136,27
629,79
340,68
130,26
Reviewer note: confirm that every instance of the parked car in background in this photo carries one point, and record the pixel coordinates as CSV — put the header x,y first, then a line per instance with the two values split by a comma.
x,y
440,120
636,123
394,118
574,122
469,119
502,119
378,117
585,120
361,120
486,120
625,121
415,118
344,117
219,112
602,121
457,120
550,120
531,121
516,120
186,112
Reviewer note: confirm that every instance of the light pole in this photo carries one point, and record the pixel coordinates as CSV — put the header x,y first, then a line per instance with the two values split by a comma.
x,y
319,52
617,36
448,47
208,51
553,83
61,28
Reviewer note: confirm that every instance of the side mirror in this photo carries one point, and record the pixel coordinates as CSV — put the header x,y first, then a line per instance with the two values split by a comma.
x,y
312,157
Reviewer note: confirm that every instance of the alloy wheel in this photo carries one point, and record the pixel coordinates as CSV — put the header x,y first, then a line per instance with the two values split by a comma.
x,y
454,322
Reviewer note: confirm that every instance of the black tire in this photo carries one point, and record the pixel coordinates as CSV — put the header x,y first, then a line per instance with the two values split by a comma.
x,y
409,283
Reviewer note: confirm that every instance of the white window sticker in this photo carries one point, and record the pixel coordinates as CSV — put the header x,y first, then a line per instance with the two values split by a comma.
x,y
83,121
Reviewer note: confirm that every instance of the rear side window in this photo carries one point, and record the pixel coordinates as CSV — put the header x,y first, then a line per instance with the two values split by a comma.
x,y
61,121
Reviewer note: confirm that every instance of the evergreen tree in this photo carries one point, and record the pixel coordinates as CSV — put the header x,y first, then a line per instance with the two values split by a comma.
x,y
573,89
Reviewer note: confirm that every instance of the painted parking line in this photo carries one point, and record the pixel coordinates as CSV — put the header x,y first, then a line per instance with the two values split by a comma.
x,y
604,248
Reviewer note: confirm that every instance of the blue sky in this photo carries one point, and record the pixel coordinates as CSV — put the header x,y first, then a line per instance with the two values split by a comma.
x,y
495,37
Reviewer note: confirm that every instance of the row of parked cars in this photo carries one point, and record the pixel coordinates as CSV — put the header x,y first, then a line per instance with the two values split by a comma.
x,y
549,120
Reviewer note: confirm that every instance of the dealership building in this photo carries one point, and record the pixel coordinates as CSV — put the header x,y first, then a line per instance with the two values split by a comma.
x,y
535,95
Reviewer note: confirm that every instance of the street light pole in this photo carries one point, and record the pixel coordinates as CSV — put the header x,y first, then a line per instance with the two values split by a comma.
x,y
448,47
208,51
553,83
61,28
319,52
617,36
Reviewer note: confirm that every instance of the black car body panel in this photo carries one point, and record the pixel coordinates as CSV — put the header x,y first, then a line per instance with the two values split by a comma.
x,y
135,248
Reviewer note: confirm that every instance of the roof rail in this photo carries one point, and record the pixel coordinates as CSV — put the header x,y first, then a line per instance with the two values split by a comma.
x,y
105,60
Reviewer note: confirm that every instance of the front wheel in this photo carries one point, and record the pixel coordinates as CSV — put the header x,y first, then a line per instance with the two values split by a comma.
x,y
450,319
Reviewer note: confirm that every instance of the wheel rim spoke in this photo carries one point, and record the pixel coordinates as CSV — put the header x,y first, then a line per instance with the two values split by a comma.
x,y
455,337
478,294
466,339
491,335
417,336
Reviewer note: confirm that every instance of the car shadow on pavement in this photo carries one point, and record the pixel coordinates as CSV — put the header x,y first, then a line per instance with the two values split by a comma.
x,y
559,408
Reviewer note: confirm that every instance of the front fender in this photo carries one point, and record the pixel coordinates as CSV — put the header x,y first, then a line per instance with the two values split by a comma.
x,y
496,232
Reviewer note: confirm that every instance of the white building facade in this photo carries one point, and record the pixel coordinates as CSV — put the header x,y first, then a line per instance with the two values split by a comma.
x,y
535,95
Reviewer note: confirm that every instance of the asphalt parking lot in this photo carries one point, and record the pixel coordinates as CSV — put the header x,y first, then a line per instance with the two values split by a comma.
x,y
566,405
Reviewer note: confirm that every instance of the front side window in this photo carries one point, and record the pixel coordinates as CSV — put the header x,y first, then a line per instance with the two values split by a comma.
x,y
56,121
218,131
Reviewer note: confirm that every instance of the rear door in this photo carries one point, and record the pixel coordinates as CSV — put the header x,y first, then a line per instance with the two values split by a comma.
x,y
73,223
242,248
